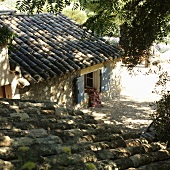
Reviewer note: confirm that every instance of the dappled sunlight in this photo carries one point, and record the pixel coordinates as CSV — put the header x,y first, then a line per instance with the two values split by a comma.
x,y
140,86
131,110
136,121
126,114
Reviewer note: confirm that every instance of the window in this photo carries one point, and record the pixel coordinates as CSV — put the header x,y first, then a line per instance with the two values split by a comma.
x,y
99,79
89,80
92,80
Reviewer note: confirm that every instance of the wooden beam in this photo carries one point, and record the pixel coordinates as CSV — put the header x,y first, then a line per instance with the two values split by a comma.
x,y
91,69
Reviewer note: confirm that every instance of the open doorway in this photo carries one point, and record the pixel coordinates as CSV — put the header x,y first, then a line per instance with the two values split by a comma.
x,y
6,92
92,88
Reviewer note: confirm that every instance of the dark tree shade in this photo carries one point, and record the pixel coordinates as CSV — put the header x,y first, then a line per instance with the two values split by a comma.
x,y
141,22
144,23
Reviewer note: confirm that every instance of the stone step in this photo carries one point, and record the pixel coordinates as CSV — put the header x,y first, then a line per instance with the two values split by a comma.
x,y
100,137
136,160
118,157
85,132
71,167
64,155
5,124
139,160
24,104
120,152
45,147
97,146
34,104
67,132
161,165
67,159
41,139
135,141
23,120
6,165
69,139
5,112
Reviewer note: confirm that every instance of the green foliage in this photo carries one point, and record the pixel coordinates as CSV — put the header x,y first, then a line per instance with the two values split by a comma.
x,y
67,150
145,22
138,22
103,16
6,36
26,159
161,118
90,166
37,6
29,165
77,15
141,22
23,149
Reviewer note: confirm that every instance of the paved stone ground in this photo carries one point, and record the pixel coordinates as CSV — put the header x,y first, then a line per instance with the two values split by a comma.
x,y
131,110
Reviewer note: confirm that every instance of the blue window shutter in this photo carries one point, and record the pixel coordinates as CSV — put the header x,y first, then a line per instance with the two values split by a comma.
x,y
79,89
105,79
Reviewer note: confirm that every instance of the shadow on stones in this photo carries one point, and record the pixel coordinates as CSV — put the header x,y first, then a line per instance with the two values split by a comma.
x,y
128,115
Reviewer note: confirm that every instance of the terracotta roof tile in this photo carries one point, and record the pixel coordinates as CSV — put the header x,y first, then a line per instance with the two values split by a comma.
x,y
49,45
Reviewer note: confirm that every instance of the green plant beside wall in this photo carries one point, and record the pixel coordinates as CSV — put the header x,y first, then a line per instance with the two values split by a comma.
x,y
161,118
26,159
6,36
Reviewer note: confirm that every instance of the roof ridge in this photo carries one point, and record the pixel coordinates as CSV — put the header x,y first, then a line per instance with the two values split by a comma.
x,y
7,12
13,12
55,44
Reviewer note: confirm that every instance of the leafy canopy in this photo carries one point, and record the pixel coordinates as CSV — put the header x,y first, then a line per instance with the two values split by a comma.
x,y
77,15
37,6
138,22
145,22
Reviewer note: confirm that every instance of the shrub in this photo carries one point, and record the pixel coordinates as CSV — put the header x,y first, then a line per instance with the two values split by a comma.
x,y
161,118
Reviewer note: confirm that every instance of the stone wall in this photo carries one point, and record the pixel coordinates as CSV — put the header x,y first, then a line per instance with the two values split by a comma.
x,y
115,81
60,90
5,76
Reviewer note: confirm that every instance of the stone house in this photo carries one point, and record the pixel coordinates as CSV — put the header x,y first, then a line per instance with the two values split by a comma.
x,y
9,79
53,59
6,77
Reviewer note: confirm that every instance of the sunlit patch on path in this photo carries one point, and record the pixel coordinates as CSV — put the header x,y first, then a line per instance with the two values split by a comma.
x,y
131,110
